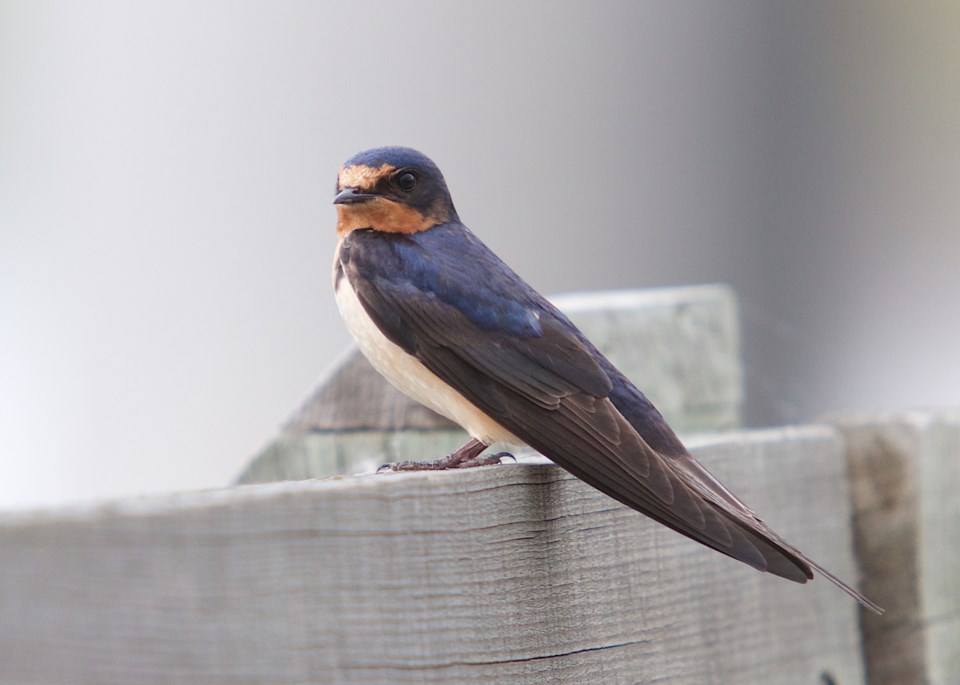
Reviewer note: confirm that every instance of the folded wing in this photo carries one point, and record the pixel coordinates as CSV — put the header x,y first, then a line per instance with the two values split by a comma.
x,y
533,372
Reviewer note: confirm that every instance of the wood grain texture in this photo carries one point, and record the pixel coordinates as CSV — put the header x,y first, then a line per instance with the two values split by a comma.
x,y
905,472
509,574
681,345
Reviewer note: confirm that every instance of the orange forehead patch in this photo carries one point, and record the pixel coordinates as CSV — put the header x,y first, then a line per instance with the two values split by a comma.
x,y
382,214
362,176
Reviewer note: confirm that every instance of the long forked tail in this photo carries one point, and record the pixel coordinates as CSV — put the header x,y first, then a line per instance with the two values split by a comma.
x,y
778,556
783,559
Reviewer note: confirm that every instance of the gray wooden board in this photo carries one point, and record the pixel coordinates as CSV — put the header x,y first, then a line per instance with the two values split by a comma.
x,y
510,574
906,475
681,345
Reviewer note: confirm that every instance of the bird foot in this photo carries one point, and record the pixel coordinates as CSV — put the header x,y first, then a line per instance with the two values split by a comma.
x,y
451,461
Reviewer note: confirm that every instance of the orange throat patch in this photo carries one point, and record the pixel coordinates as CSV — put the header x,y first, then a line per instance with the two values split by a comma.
x,y
381,214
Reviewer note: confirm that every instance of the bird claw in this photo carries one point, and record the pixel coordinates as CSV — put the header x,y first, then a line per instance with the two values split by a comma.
x,y
484,460
451,461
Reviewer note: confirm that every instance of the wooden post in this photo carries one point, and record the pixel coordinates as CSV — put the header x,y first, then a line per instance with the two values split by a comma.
x,y
515,573
905,470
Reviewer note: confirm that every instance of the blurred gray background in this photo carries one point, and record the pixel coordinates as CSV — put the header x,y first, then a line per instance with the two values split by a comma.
x,y
166,171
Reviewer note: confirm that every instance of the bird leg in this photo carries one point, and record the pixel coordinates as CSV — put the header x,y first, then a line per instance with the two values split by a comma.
x,y
464,457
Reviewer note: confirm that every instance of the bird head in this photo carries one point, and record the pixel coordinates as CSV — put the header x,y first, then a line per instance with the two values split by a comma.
x,y
391,189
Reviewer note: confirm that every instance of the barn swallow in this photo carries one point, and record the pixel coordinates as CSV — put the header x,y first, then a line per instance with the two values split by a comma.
x,y
451,325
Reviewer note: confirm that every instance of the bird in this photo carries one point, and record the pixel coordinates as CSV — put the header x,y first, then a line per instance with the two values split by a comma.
x,y
448,323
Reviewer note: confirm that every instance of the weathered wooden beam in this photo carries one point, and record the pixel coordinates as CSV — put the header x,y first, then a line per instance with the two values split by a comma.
x,y
681,345
514,573
905,470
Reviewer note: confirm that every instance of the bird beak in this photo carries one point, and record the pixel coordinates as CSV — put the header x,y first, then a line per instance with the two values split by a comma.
x,y
349,196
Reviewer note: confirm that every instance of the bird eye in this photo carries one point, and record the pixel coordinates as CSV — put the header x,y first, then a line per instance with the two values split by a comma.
x,y
407,181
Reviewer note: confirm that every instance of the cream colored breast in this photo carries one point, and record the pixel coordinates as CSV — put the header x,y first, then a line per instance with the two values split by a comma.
x,y
410,376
